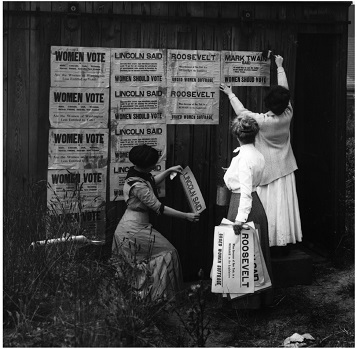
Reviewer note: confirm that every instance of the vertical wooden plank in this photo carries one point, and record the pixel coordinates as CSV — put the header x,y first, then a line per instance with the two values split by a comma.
x,y
50,35
150,34
224,147
212,9
111,37
141,8
18,101
5,99
40,5
90,31
195,9
70,25
178,9
34,81
130,34
122,7
102,7
59,6
230,10
159,8
204,168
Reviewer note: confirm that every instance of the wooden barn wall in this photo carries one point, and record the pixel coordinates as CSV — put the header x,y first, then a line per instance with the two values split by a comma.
x,y
31,28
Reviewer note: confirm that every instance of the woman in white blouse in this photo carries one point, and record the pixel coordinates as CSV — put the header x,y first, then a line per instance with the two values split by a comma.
x,y
242,178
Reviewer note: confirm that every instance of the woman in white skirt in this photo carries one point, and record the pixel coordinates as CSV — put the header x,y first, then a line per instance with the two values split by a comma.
x,y
277,189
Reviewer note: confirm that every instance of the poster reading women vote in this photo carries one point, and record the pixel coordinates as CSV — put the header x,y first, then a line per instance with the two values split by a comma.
x,y
124,137
73,107
244,68
80,66
81,195
118,172
70,188
138,86
193,79
77,148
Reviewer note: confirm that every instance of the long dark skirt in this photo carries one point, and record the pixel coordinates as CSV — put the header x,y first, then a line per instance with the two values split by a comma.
x,y
258,216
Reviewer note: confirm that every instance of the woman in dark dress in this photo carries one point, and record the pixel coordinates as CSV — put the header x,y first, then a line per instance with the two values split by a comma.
x,y
242,179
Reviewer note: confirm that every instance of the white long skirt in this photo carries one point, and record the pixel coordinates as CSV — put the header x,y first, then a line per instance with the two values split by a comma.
x,y
281,205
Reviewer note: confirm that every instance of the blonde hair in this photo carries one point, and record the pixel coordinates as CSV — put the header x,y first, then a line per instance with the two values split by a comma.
x,y
245,128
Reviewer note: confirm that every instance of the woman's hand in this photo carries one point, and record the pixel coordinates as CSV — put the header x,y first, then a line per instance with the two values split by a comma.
x,y
238,226
193,217
279,61
177,169
226,89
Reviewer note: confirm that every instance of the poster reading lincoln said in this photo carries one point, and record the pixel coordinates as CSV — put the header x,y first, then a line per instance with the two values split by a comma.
x,y
124,137
138,86
73,107
193,79
245,68
118,172
80,66
77,148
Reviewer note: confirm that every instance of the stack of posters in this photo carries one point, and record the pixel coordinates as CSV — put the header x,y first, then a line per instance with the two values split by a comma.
x,y
238,264
78,137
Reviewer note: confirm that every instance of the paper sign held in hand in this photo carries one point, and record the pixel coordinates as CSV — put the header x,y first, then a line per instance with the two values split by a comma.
x,y
192,191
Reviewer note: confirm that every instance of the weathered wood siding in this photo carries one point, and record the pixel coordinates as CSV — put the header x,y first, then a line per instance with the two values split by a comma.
x,y
31,28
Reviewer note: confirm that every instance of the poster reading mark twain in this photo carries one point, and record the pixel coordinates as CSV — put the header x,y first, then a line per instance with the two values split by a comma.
x,y
77,148
244,68
118,172
80,66
79,107
193,79
124,137
138,85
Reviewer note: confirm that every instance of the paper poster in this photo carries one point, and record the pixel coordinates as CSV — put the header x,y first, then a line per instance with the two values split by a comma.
x,y
118,172
138,85
77,148
245,68
76,190
193,78
192,191
80,66
72,107
124,137
233,261
90,223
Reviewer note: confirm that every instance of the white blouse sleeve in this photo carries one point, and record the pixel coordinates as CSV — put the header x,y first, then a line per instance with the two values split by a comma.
x,y
245,179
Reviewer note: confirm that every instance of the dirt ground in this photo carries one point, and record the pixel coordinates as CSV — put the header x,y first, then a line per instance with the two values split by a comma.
x,y
325,310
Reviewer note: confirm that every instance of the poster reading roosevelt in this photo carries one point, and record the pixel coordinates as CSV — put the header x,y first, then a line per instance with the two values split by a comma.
x,y
245,68
80,66
118,172
77,148
73,107
233,261
193,78
138,86
124,137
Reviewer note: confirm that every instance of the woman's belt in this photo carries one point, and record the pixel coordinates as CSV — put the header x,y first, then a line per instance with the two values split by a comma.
x,y
237,191
139,216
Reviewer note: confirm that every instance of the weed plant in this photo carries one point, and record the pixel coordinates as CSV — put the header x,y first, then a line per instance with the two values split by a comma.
x,y
51,297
